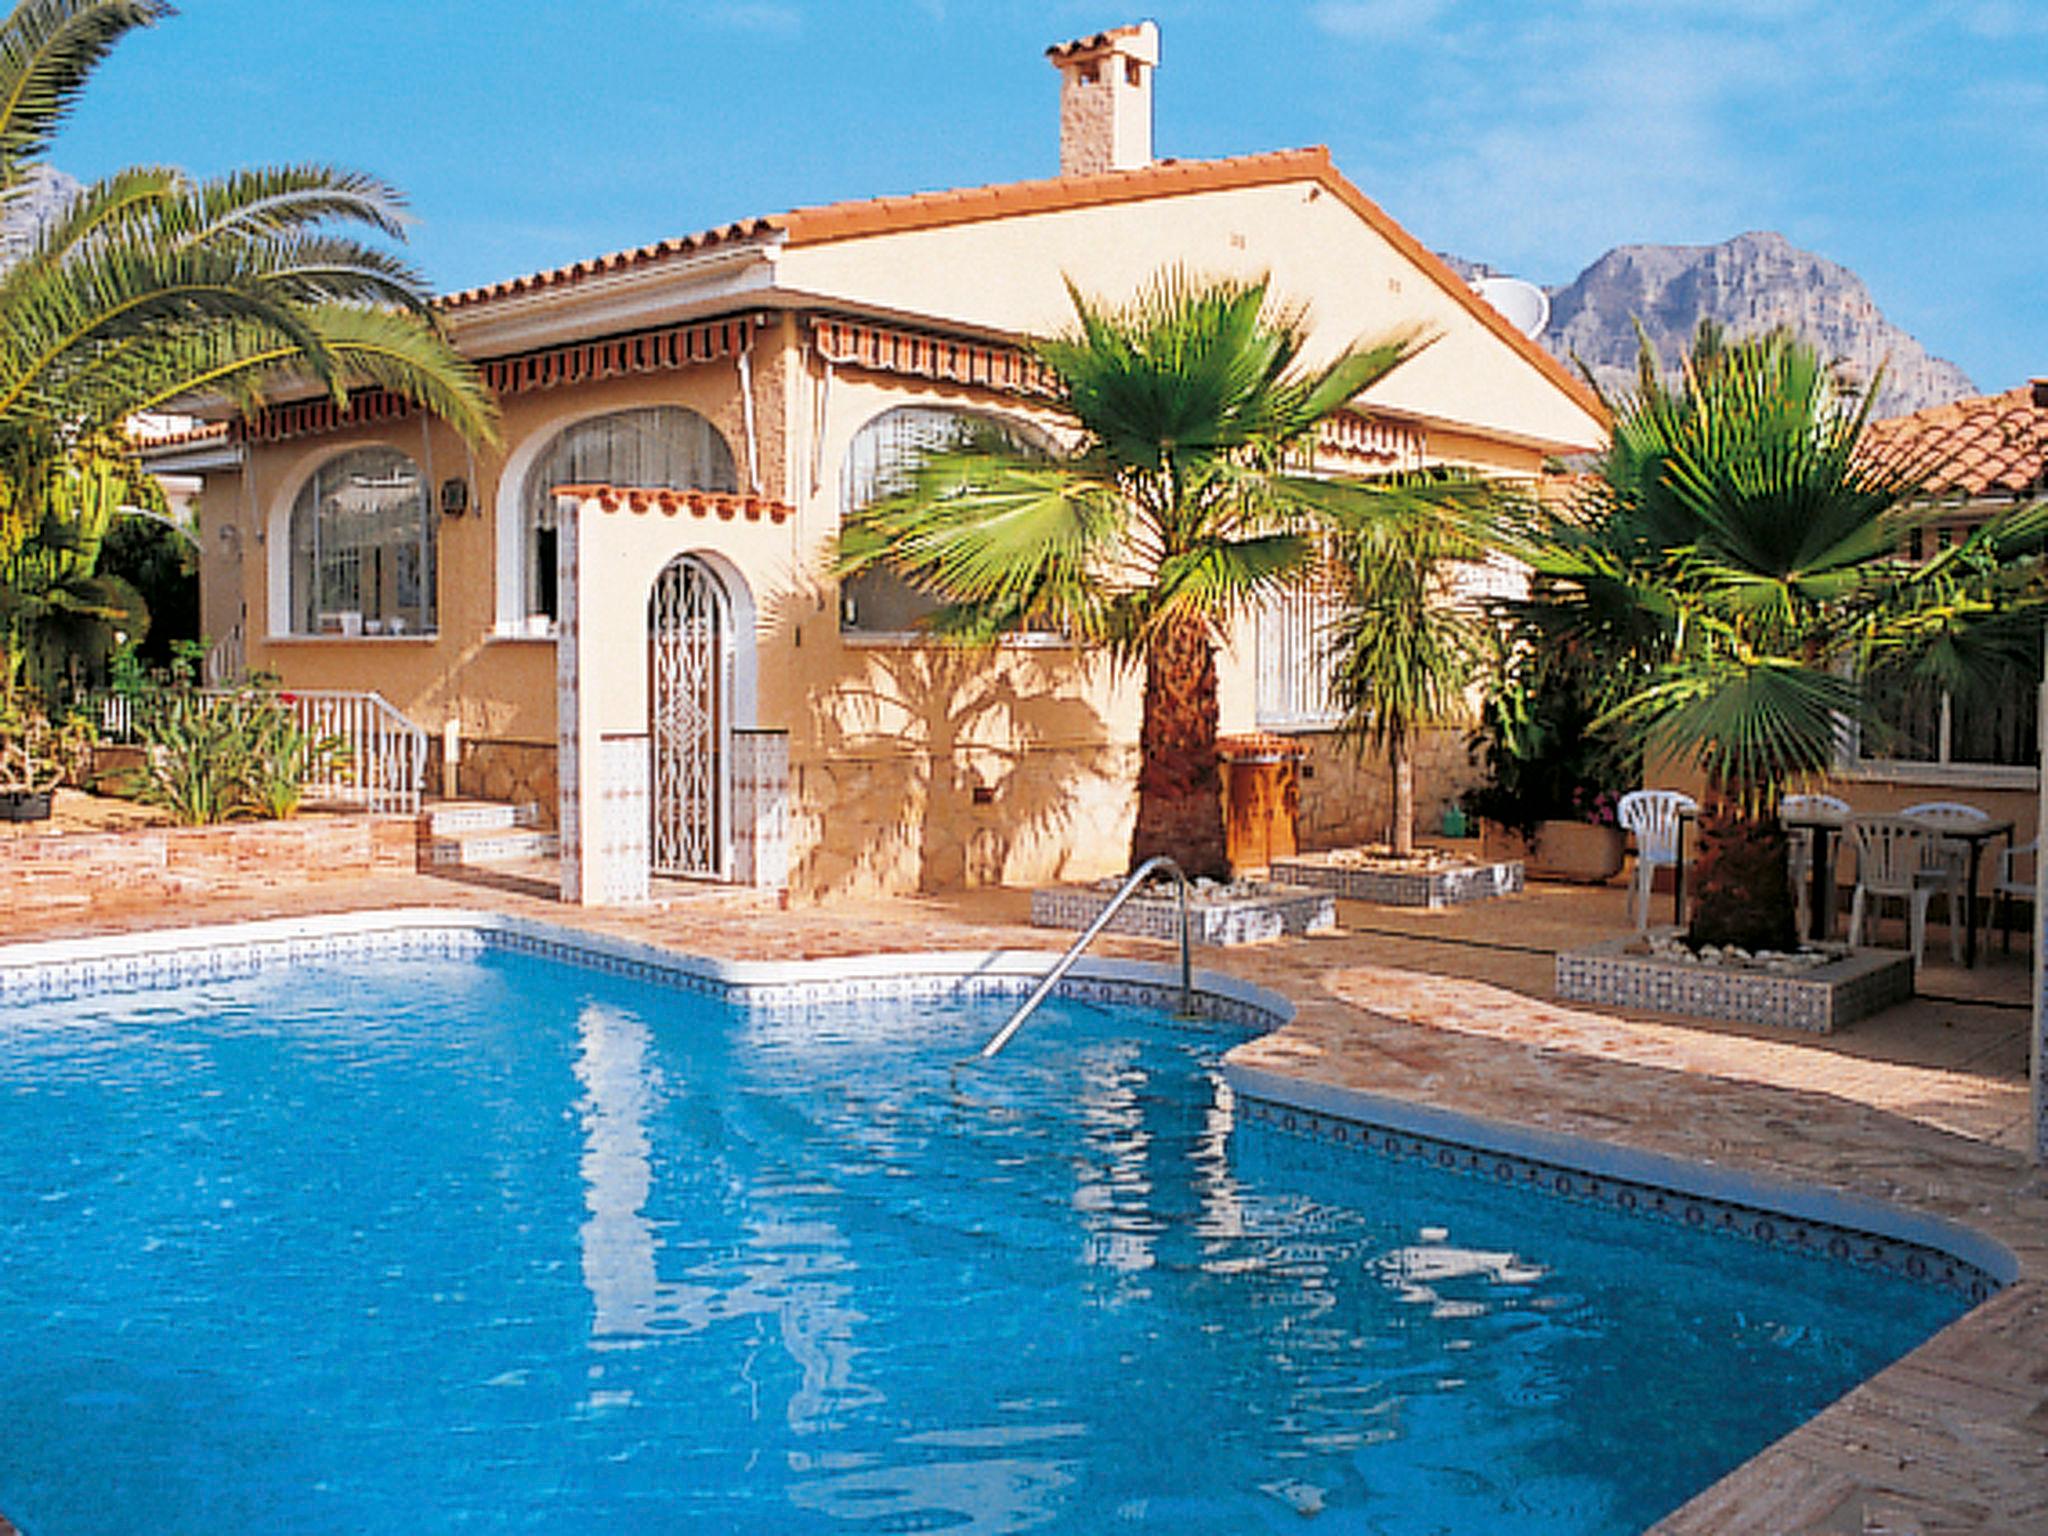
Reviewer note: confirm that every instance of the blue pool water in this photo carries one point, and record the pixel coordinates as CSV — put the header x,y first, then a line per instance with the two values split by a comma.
x,y
501,1245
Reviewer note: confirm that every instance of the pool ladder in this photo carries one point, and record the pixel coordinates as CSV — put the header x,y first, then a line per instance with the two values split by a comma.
x,y
1124,893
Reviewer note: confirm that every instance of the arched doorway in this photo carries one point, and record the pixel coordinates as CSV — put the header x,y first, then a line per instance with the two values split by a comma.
x,y
690,682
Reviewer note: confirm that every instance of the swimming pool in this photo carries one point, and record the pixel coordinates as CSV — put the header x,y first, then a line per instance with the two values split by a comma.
x,y
488,1242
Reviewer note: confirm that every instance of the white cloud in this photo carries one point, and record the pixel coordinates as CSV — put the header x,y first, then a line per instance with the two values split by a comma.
x,y
767,19
1358,21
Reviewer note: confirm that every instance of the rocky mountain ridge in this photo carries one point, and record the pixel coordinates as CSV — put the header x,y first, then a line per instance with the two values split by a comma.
x,y
1750,283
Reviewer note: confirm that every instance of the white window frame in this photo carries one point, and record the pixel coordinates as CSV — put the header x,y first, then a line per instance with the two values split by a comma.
x,y
899,639
511,619
277,540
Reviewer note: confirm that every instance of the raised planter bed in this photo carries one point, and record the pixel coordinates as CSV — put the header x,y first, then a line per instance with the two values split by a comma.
x,y
1818,999
1220,915
1360,878
25,805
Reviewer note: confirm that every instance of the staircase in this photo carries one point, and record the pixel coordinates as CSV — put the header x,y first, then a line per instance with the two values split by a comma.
x,y
459,836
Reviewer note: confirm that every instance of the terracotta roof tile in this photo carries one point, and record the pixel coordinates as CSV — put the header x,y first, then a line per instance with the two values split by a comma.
x,y
149,442
1095,41
617,261
1988,445
1166,178
723,505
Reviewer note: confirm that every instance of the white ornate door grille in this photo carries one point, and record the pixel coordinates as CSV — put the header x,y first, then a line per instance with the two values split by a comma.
x,y
689,622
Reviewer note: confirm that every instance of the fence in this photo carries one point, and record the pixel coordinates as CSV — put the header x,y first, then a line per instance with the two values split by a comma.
x,y
383,763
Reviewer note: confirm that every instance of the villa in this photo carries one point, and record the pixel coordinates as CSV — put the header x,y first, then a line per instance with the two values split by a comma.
x,y
624,614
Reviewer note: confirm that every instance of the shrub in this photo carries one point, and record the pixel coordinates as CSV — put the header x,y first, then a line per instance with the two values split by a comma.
x,y
231,754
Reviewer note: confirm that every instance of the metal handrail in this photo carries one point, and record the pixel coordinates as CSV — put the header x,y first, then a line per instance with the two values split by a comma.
x,y
1124,893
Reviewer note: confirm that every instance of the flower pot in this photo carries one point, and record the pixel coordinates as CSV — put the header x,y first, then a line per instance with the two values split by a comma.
x,y
24,804
1578,851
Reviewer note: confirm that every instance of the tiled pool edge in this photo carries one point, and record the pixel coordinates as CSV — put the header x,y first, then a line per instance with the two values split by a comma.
x,y
1810,1219
1866,1230
63,969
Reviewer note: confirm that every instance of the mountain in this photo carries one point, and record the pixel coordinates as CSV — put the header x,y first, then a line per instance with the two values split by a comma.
x,y
40,196
1750,283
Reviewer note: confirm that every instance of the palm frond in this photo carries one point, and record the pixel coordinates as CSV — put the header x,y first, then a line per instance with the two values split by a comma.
x,y
48,50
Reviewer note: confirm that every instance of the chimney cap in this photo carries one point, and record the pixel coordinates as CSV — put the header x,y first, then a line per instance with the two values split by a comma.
x,y
1138,40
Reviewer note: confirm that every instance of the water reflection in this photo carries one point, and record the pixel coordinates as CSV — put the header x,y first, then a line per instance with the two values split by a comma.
x,y
617,1239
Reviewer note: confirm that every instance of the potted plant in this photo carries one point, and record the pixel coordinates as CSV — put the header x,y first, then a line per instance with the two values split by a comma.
x,y
29,773
1552,781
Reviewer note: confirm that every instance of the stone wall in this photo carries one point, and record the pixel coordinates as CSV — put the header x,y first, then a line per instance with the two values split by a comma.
x,y
1347,799
154,867
515,772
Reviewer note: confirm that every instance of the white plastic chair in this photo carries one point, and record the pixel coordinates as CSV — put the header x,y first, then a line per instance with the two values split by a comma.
x,y
1948,863
2012,882
1799,852
1655,817
1891,861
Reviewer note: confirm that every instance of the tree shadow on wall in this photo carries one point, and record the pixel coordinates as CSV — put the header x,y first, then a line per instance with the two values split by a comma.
x,y
953,763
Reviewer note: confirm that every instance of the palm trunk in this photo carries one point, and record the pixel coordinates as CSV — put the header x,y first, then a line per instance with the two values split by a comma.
x,y
1180,796
1401,759
1743,897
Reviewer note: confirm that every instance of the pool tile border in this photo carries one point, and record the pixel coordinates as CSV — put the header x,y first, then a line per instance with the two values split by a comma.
x,y
1831,1226
1916,1262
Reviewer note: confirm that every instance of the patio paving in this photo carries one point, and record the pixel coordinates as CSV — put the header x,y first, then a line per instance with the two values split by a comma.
x,y
1924,1106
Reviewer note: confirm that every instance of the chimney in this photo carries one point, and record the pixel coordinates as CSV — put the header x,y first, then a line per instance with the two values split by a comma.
x,y
1106,99
2040,387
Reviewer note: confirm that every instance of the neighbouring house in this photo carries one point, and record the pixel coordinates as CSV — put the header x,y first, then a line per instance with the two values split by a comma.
x,y
1986,454
623,613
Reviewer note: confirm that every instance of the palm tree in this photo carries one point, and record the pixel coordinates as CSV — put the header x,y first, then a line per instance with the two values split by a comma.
x,y
151,286
1408,638
1172,513
1741,565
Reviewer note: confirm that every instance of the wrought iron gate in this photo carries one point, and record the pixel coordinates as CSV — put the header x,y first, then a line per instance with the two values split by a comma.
x,y
690,641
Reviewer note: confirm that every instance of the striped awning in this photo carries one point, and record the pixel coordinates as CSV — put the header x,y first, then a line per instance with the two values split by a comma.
x,y
663,351
1398,443
997,366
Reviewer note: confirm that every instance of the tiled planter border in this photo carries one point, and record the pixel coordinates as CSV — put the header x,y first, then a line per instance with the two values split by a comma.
x,y
1245,920
1817,1001
1403,888
1832,1226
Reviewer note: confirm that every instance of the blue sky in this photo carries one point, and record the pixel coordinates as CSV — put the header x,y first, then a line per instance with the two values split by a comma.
x,y
1904,140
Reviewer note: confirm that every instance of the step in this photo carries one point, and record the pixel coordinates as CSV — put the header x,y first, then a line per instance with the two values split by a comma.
x,y
445,818
486,847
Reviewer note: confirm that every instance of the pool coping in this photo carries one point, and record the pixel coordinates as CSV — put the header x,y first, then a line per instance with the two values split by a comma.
x,y
1905,1440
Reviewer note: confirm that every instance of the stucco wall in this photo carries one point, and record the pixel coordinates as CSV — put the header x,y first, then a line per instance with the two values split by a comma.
x,y
1009,274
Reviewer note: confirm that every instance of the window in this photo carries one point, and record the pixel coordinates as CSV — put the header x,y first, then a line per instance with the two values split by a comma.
x,y
1295,659
663,447
1922,727
878,463
362,548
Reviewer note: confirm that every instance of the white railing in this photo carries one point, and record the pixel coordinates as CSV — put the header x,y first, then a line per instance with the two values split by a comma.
x,y
227,659
382,764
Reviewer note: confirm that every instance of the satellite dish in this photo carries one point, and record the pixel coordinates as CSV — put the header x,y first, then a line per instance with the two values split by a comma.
x,y
1524,306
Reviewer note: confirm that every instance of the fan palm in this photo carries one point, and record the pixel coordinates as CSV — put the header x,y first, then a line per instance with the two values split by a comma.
x,y
150,286
1742,563
1173,510
1409,638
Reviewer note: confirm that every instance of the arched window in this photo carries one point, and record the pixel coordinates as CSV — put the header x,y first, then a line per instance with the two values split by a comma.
x,y
362,548
655,447
878,462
